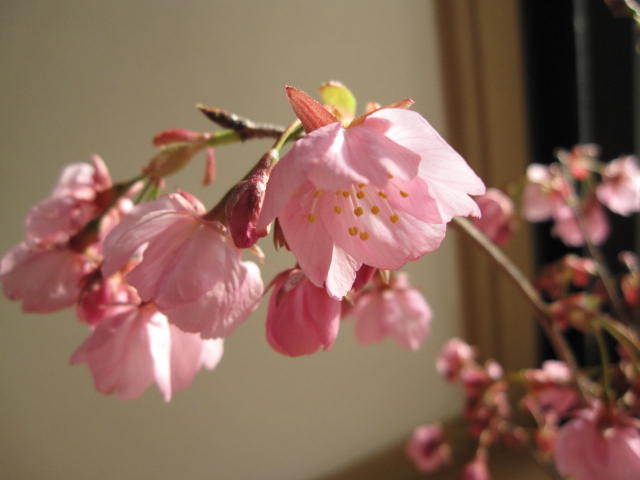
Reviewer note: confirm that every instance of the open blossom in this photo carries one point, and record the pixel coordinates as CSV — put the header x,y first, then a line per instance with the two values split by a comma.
x,y
301,318
44,279
189,266
378,192
498,216
396,310
589,449
549,390
428,449
77,198
546,191
136,347
595,220
620,187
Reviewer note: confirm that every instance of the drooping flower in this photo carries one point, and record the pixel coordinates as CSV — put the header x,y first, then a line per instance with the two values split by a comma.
x,y
81,193
620,187
595,220
549,391
301,318
378,192
546,191
105,297
498,216
454,356
189,268
396,310
136,347
587,448
428,449
44,279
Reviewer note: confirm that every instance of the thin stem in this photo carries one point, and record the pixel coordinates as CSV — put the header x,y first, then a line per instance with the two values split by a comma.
x,y
605,360
559,343
594,252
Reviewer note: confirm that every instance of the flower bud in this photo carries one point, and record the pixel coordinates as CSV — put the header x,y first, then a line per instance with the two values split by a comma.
x,y
245,203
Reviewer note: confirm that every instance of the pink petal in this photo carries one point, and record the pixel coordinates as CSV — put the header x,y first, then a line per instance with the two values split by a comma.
x,y
448,176
142,223
219,311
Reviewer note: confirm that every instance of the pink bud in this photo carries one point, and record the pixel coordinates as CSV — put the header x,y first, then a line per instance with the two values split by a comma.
x,y
498,216
428,449
476,469
245,204
177,135
453,357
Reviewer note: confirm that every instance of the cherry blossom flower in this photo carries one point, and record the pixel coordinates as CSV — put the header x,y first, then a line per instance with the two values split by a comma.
x,y
130,350
454,356
189,266
595,220
428,449
546,191
378,192
498,216
44,279
587,448
550,391
301,318
81,194
105,297
620,187
396,310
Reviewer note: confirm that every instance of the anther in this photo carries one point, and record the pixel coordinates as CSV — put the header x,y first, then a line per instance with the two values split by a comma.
x,y
345,194
358,211
360,194
319,192
375,209
353,231
337,209
311,217
382,194
404,194
394,218
364,236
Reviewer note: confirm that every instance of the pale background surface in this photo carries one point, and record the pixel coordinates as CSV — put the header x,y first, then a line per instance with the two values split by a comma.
x,y
86,76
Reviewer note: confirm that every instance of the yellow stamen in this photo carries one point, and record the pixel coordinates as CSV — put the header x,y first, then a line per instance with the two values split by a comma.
x,y
394,218
337,209
353,231
311,217
404,194
375,209
361,185
364,236
345,194
382,194
360,194
318,193
358,211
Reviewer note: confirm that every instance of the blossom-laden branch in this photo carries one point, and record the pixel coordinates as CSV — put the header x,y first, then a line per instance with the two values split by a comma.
x,y
541,309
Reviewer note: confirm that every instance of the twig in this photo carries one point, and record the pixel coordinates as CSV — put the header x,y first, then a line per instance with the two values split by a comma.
x,y
245,128
559,343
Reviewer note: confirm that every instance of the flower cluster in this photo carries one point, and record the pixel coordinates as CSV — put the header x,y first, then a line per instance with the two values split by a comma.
x,y
160,280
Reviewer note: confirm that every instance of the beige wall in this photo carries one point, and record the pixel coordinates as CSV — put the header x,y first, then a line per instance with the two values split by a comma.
x,y
80,77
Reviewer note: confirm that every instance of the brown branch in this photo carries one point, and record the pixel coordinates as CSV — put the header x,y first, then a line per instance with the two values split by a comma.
x,y
244,127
